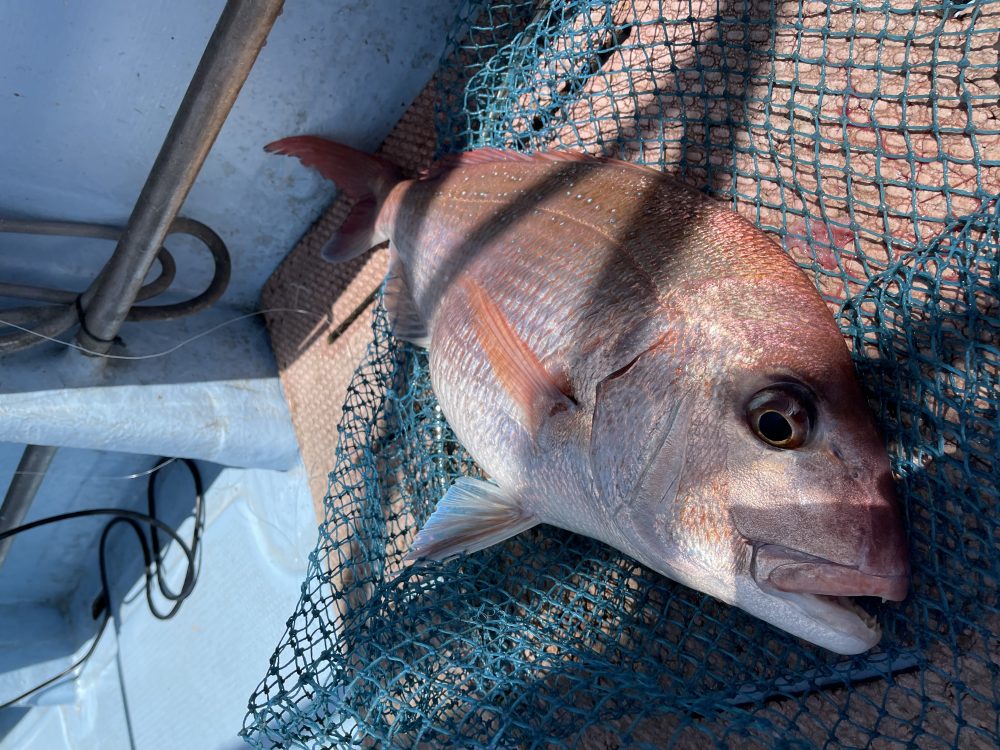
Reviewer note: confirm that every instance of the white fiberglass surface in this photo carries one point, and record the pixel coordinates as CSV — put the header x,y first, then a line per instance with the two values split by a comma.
x,y
89,91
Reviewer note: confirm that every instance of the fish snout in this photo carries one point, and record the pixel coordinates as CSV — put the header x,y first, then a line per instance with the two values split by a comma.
x,y
793,571
887,554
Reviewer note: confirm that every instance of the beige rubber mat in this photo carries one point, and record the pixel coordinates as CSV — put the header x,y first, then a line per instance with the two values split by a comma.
x,y
321,322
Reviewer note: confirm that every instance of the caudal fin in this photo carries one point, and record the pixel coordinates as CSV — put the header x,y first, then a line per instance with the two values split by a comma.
x,y
364,178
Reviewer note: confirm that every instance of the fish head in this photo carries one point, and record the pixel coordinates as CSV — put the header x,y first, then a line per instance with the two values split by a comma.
x,y
813,505
767,484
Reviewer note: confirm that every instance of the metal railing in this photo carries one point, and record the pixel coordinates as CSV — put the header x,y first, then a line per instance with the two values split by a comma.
x,y
101,310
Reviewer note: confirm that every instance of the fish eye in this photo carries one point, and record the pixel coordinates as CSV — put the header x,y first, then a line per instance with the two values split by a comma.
x,y
781,415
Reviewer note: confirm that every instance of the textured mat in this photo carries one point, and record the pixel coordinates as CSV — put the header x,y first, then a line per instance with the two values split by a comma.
x,y
323,319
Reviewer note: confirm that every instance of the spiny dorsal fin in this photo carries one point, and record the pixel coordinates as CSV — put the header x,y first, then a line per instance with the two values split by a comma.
x,y
495,155
472,515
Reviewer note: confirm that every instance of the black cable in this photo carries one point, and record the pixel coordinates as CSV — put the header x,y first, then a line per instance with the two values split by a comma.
x,y
151,554
191,574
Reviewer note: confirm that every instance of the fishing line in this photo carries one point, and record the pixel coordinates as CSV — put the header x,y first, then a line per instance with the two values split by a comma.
x,y
135,475
321,318
324,318
151,553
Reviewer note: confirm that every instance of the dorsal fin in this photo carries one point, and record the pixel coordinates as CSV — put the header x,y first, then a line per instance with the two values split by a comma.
x,y
495,155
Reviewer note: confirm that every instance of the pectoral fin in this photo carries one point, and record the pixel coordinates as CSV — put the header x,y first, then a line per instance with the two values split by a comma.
x,y
535,391
471,516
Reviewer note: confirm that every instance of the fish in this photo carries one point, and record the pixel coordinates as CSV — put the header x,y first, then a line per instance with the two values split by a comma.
x,y
627,358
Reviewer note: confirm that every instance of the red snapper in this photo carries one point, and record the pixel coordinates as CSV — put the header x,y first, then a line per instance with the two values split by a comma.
x,y
628,359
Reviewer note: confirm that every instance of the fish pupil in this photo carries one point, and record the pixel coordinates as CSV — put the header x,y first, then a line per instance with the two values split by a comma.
x,y
774,427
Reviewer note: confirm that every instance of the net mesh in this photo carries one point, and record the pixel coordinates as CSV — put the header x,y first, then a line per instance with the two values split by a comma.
x,y
867,139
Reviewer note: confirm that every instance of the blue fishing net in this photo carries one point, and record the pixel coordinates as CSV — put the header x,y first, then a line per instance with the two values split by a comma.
x,y
866,138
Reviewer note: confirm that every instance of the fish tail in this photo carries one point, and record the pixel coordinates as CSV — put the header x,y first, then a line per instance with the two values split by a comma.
x,y
364,179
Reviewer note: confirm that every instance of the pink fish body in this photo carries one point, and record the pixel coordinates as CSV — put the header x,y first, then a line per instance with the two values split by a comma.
x,y
629,360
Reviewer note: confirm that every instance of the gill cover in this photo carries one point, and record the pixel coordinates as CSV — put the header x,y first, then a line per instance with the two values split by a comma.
x,y
641,482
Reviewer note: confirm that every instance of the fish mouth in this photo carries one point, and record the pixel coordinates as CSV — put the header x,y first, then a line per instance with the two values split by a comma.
x,y
837,623
821,590
793,571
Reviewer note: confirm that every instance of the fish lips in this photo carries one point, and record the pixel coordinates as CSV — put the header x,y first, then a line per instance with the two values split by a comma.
x,y
792,571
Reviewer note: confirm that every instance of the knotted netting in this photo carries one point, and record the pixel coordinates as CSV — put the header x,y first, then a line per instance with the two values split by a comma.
x,y
866,138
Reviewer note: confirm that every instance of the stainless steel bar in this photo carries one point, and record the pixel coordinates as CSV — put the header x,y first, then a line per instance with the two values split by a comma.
x,y
231,52
48,324
61,228
48,227
237,40
23,487
37,293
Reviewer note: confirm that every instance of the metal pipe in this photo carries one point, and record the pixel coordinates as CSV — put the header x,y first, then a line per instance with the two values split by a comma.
x,y
48,227
54,321
221,270
46,324
60,228
237,40
231,52
50,322
168,270
22,490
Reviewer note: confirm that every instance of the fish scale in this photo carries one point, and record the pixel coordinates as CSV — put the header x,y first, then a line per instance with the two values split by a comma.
x,y
550,286
628,359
